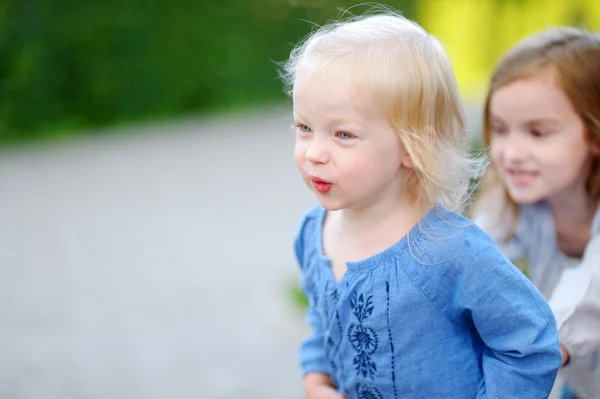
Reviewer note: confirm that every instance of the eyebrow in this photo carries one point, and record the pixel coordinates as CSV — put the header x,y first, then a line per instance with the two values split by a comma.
x,y
550,121
547,120
333,120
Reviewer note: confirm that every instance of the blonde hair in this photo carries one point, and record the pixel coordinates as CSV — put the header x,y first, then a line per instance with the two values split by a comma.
x,y
410,77
574,57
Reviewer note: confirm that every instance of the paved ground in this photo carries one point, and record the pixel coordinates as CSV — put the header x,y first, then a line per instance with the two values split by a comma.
x,y
152,265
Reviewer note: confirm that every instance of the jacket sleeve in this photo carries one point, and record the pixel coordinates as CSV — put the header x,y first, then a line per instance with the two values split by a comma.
x,y
312,350
576,304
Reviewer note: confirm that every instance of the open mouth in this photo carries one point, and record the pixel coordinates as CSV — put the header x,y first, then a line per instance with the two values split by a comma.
x,y
322,186
521,178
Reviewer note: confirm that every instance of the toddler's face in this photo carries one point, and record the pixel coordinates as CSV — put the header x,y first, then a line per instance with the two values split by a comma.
x,y
346,150
538,142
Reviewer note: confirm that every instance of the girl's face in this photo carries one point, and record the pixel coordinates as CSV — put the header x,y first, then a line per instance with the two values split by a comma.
x,y
347,152
538,143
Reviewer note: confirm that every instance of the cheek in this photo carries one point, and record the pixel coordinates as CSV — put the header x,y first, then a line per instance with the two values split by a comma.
x,y
299,151
300,157
570,149
374,165
495,152
567,167
568,157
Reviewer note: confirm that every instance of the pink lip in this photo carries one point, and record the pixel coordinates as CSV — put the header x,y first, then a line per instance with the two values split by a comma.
x,y
322,186
521,178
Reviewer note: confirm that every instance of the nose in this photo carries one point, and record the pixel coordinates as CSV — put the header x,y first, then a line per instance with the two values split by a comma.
x,y
317,151
515,150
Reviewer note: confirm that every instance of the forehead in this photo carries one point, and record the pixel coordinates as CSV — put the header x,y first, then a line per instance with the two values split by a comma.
x,y
531,98
326,92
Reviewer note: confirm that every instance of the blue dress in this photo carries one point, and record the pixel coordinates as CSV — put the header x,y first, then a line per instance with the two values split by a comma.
x,y
441,314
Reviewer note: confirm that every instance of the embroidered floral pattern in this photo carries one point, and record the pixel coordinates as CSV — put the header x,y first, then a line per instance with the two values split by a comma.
x,y
366,392
339,324
335,296
363,339
387,292
361,308
364,365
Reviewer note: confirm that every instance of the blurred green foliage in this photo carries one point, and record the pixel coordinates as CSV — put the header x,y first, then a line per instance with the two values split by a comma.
x,y
298,299
67,65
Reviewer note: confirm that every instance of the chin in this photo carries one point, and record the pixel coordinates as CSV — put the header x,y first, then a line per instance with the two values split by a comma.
x,y
525,198
329,203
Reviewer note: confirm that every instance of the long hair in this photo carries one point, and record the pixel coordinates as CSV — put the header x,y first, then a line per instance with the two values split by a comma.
x,y
574,56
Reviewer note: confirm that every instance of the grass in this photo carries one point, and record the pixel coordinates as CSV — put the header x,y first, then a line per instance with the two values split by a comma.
x,y
296,296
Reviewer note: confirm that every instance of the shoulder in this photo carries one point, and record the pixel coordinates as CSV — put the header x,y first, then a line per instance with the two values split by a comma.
x,y
450,238
308,232
456,262
450,250
309,223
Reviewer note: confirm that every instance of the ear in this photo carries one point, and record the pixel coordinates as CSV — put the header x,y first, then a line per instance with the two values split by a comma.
x,y
407,162
406,159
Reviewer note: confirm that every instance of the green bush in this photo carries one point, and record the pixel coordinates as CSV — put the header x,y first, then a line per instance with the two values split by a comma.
x,y
73,65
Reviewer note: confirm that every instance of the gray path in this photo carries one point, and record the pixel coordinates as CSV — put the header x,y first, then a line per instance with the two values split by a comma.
x,y
152,265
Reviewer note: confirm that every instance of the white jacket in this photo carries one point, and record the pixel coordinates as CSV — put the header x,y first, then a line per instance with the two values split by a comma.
x,y
571,285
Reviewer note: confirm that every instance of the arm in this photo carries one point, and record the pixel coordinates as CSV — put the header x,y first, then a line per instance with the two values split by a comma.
x,y
576,305
493,300
312,353
515,323
317,382
487,297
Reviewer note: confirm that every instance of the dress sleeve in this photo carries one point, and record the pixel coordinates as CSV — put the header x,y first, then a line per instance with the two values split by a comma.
x,y
514,321
476,287
576,304
312,350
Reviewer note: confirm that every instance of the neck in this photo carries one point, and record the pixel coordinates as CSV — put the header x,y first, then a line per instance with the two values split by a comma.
x,y
574,209
573,218
391,213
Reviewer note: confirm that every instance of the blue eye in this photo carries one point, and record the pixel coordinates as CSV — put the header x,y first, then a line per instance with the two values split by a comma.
x,y
303,128
344,135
